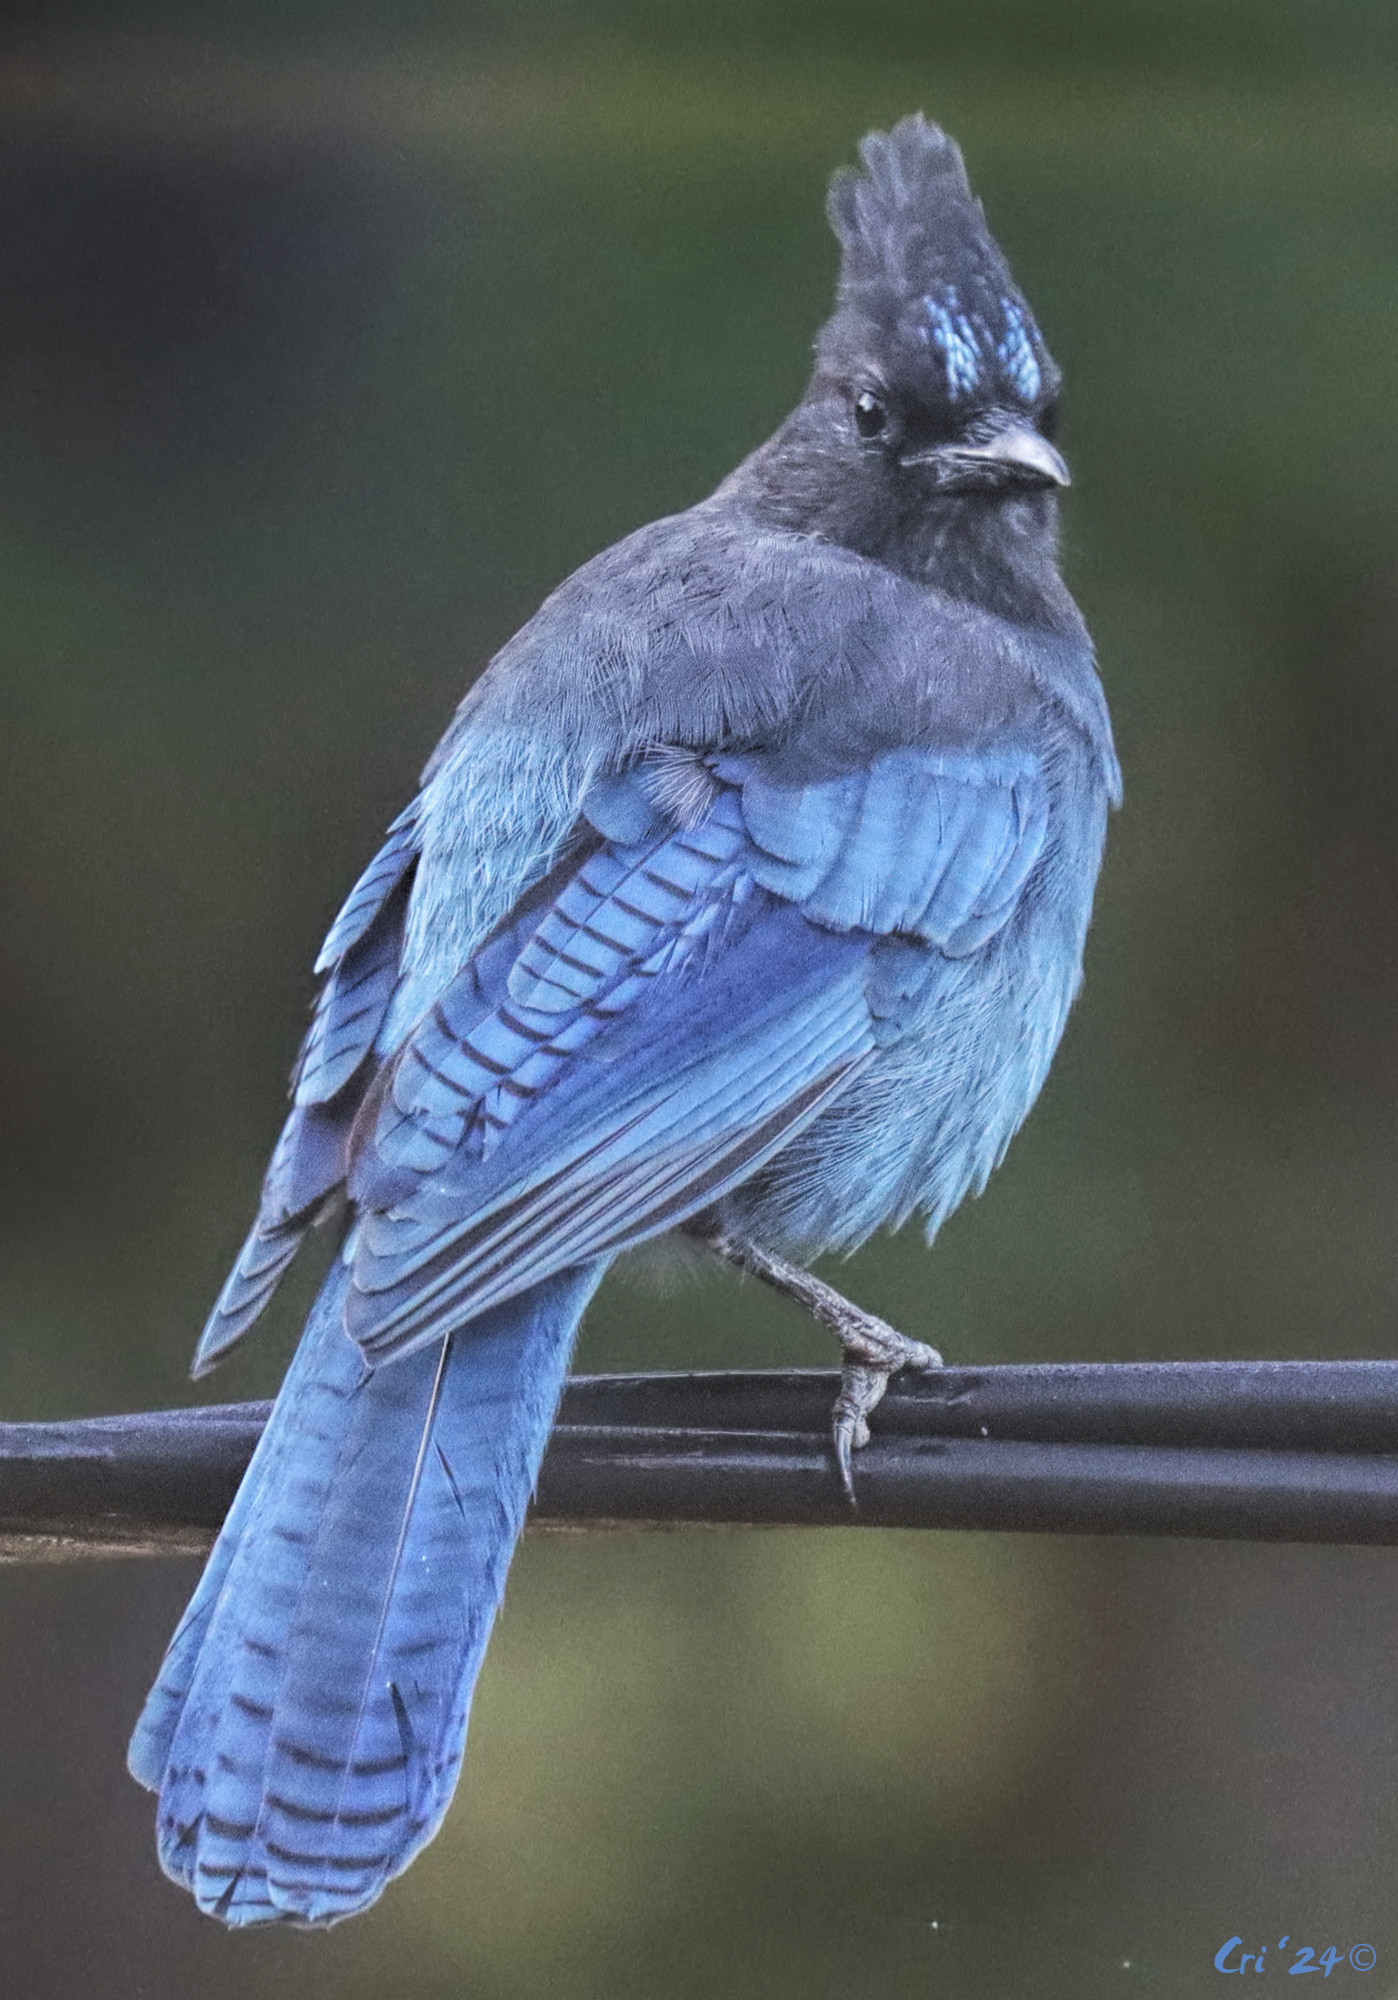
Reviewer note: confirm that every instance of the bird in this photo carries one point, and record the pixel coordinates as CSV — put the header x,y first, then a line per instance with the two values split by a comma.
x,y
745,899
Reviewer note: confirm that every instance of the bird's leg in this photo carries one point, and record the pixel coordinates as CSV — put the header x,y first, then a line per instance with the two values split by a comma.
x,y
874,1350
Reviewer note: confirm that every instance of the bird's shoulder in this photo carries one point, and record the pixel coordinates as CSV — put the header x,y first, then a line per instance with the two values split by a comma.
x,y
710,632
710,627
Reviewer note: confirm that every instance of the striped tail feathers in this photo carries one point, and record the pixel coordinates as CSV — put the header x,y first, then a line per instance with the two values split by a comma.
x,y
309,1724
148,1756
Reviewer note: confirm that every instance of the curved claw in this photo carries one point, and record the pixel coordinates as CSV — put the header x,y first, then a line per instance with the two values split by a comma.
x,y
862,1385
874,1350
843,1443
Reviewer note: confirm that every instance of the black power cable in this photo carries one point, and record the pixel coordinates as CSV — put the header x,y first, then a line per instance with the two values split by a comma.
x,y
1249,1450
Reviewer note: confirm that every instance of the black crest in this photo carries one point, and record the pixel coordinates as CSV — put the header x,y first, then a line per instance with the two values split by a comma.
x,y
923,285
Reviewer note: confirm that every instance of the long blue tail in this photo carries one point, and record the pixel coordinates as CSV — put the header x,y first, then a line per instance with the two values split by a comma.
x,y
309,1722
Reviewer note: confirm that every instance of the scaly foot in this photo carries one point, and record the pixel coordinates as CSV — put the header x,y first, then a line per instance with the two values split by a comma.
x,y
874,1350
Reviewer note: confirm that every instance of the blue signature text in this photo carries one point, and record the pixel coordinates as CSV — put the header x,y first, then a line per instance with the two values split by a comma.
x,y
1231,1957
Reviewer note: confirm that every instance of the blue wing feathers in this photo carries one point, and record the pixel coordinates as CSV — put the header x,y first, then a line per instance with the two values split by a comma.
x,y
310,1158
308,1163
911,843
604,1152
470,1070
623,904
351,1008
802,826
364,901
307,1167
641,1162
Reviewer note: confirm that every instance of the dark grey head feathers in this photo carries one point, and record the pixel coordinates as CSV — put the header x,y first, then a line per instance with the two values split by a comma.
x,y
925,437
925,294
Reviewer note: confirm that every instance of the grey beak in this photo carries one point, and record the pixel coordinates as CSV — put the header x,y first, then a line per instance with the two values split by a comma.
x,y
1015,449
1021,447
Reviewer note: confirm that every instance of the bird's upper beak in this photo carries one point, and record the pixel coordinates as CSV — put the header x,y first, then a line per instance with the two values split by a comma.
x,y
1021,450
1015,454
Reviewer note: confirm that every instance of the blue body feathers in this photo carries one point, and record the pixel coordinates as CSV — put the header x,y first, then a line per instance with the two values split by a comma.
x,y
749,887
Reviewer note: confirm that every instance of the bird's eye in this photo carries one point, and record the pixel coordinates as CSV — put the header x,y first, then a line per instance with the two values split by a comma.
x,y
870,415
1048,421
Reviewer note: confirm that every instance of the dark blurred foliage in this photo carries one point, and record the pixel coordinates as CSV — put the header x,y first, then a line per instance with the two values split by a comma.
x,y
329,340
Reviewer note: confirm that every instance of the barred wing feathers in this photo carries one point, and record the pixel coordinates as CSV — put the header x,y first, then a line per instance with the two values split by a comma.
x,y
692,997
361,959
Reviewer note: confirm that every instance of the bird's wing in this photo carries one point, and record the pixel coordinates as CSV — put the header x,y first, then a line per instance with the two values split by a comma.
x,y
366,899
360,960
691,997
931,844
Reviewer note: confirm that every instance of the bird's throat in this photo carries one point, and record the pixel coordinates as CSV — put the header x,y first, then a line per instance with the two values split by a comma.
x,y
996,550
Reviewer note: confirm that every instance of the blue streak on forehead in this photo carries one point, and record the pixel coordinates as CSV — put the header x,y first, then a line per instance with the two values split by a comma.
x,y
1015,352
970,349
955,339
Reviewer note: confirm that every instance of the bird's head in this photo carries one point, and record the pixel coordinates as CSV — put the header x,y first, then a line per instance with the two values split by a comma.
x,y
933,387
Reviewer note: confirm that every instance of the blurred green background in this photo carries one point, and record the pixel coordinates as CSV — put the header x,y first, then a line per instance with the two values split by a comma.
x,y
331,338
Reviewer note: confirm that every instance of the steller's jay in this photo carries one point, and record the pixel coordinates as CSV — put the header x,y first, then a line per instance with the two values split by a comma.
x,y
746,894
